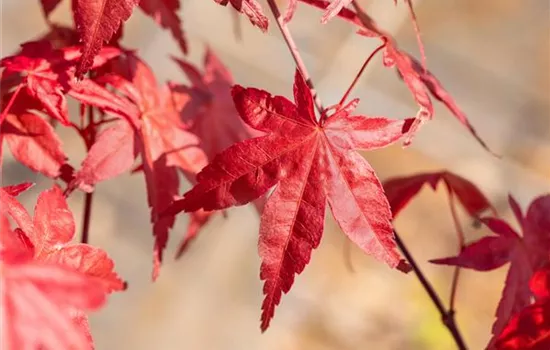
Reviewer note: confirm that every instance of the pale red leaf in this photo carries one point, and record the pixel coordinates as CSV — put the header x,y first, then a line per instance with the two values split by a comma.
x,y
165,145
251,9
10,206
91,261
48,6
290,10
197,220
216,122
16,190
34,143
112,154
36,302
47,74
439,93
164,12
162,186
97,21
54,228
90,93
53,221
333,9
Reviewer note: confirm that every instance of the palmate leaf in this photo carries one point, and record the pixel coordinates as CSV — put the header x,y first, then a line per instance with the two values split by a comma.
x,y
401,190
32,141
526,253
312,163
165,13
530,329
46,74
48,282
251,9
165,146
207,108
97,21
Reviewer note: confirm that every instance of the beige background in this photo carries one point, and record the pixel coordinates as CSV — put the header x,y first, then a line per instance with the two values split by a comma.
x,y
492,55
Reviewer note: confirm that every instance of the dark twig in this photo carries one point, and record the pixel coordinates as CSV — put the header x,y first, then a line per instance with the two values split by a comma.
x,y
87,217
447,317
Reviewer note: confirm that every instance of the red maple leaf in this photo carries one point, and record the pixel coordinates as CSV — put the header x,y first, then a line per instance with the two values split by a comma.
x,y
46,74
112,154
47,281
526,253
100,21
165,145
313,162
31,139
37,304
251,9
213,118
208,109
97,21
16,190
530,329
48,6
421,81
164,12
60,36
401,190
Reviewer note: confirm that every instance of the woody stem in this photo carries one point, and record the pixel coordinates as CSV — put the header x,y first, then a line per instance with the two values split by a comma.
x,y
289,40
89,197
447,316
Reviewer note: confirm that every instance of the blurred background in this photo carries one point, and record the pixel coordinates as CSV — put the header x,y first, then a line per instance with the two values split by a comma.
x,y
493,57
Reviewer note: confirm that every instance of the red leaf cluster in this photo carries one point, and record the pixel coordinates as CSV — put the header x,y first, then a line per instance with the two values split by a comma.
x,y
99,21
519,323
526,253
48,283
235,145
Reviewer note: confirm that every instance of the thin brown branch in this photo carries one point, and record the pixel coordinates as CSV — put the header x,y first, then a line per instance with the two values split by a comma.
x,y
289,40
447,316
87,216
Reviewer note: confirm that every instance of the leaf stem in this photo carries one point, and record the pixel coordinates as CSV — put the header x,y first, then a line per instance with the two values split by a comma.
x,y
289,40
356,79
87,217
89,197
461,243
447,316
10,103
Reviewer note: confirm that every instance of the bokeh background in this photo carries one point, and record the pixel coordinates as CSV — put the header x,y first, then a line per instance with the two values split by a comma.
x,y
492,55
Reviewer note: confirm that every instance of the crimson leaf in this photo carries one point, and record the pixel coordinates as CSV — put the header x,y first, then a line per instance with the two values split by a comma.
x,y
313,163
